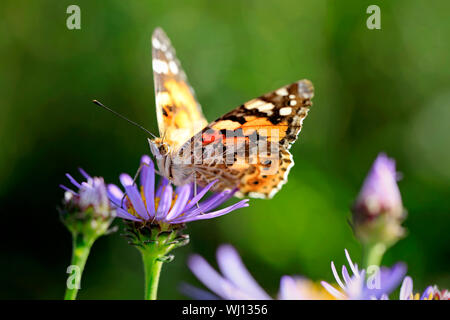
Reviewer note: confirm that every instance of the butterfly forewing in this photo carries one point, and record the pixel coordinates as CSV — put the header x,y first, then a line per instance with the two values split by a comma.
x,y
178,112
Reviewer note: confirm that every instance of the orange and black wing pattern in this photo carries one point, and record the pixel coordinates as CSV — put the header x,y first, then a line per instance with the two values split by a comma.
x,y
248,148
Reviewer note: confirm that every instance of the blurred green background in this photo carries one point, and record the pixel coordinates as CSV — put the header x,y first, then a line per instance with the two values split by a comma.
x,y
376,90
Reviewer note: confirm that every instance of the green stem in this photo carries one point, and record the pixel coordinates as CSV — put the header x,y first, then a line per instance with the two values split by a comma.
x,y
152,269
80,253
372,254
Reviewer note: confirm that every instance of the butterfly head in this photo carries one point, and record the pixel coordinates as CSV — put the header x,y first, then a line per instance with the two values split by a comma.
x,y
161,152
159,148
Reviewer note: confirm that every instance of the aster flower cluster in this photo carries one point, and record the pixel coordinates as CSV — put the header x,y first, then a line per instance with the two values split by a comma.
x,y
360,285
430,293
234,282
155,214
156,217
377,216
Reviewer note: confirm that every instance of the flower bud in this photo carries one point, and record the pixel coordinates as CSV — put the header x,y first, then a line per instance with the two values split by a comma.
x,y
88,210
378,211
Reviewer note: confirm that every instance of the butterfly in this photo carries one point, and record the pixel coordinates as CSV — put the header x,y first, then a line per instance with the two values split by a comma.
x,y
246,149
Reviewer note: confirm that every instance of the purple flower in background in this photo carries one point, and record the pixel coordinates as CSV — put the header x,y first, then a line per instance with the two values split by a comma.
x,y
300,288
430,293
378,210
236,283
164,204
357,287
380,192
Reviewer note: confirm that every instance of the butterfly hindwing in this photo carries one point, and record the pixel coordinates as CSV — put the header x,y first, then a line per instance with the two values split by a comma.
x,y
248,148
178,112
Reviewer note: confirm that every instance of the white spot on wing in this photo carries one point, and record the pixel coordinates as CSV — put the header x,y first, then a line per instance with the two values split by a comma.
x,y
173,67
156,44
261,105
282,92
285,111
265,107
257,195
253,104
160,66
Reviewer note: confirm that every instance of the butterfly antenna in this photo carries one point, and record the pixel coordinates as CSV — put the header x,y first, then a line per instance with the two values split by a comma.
x,y
123,117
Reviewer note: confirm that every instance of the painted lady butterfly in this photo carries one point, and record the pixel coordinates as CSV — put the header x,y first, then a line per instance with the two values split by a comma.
x,y
247,148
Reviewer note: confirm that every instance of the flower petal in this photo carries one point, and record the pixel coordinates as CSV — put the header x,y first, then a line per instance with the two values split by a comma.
x,y
134,196
352,266
148,182
390,278
67,189
336,276
232,267
183,196
115,194
333,291
427,293
287,288
145,161
209,277
163,182
238,205
84,174
345,275
211,203
406,288
165,202
73,181
199,195
121,213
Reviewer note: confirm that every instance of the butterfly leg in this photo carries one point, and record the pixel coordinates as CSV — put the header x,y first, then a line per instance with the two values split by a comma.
x,y
134,181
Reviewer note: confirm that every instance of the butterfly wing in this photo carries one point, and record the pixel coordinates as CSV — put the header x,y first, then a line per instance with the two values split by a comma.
x,y
178,112
248,148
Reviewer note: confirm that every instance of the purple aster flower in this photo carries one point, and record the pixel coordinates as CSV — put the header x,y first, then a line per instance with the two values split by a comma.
x,y
87,213
430,293
164,204
378,210
155,217
236,283
91,194
356,286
